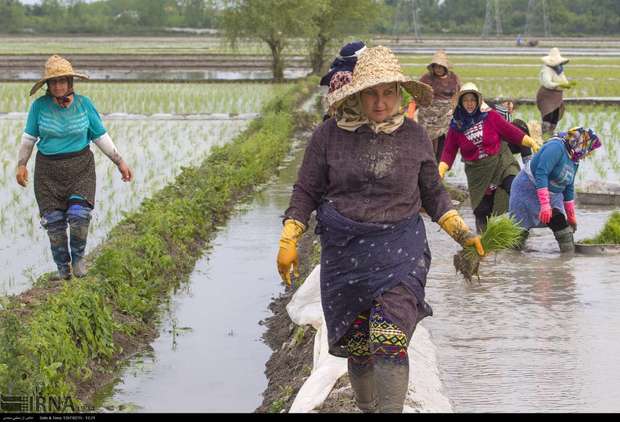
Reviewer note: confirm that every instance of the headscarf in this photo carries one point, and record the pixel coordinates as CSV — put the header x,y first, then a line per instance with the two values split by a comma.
x,y
462,120
580,142
339,79
345,62
558,69
350,117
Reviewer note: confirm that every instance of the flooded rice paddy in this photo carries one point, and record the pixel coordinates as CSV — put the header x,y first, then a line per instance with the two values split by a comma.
x,y
155,146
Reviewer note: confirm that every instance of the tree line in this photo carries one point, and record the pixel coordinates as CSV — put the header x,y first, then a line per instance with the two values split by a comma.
x,y
566,17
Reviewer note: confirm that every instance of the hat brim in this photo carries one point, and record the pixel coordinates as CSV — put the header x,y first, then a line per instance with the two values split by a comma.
x,y
421,92
41,82
554,61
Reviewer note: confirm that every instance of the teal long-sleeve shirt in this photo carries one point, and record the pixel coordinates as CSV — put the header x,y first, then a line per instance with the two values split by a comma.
x,y
552,168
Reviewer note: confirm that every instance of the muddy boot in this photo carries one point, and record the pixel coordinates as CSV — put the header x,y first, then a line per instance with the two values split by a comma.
x,y
63,273
392,383
56,225
79,220
362,379
521,245
565,239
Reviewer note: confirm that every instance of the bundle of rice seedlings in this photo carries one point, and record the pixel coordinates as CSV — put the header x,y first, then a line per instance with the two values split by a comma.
x,y
610,235
502,232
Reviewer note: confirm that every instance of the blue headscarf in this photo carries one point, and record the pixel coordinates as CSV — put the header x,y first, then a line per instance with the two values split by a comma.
x,y
345,61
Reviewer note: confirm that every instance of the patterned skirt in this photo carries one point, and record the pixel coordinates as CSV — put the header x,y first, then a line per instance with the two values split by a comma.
x,y
57,178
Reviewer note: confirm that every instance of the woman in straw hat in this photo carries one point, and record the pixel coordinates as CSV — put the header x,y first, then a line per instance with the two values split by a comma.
x,y
62,124
435,118
543,194
368,171
476,130
549,98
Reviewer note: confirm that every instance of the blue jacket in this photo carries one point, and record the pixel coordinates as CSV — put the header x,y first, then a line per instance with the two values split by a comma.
x,y
552,168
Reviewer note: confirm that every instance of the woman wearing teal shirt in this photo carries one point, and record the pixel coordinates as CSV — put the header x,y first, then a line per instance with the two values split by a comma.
x,y
63,124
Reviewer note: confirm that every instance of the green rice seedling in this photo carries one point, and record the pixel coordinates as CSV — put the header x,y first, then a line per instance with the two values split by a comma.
x,y
502,232
610,234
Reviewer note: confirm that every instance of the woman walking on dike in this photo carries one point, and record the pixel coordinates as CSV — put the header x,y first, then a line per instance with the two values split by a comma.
x,y
435,118
62,124
543,194
367,172
476,130
549,99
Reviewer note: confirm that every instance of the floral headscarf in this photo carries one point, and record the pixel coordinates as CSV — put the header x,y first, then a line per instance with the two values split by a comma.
x,y
580,142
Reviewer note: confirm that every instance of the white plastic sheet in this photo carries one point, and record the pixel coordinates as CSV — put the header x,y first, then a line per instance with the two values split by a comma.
x,y
425,395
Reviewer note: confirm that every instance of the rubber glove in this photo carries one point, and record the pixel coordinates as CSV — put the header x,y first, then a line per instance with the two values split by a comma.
x,y
287,255
569,206
565,86
452,223
22,175
530,142
545,205
443,168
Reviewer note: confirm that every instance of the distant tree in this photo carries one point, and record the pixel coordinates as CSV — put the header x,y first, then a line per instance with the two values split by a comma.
x,y
335,20
275,22
11,16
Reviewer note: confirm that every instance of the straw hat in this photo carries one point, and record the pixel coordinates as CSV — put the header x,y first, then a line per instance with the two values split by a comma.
x,y
554,58
441,58
376,66
56,67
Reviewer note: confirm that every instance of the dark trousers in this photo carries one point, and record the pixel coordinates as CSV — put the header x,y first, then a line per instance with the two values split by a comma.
x,y
484,210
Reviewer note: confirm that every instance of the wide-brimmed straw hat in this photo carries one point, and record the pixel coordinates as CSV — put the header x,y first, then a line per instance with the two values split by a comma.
x,y
554,58
441,58
376,66
56,67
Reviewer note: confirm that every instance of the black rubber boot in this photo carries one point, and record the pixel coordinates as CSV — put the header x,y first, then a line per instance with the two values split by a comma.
x,y
362,377
565,239
392,383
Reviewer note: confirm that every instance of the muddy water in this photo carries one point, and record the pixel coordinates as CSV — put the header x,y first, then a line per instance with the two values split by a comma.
x,y
539,333
217,364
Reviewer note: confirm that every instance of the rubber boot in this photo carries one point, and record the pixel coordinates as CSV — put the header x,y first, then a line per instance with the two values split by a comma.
x,y
79,220
56,225
565,239
521,245
362,379
392,383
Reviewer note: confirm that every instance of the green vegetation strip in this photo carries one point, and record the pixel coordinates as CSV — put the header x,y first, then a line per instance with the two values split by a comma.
x,y
610,235
51,343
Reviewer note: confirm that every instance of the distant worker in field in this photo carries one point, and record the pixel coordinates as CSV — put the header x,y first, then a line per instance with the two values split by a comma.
x,y
341,69
436,117
505,109
367,172
553,82
476,130
543,193
62,124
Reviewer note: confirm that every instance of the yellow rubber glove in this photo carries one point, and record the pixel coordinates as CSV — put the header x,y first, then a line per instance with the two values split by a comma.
x,y
443,168
530,142
287,255
452,223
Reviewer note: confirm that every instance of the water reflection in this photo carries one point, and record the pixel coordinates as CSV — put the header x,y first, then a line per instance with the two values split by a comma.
x,y
537,334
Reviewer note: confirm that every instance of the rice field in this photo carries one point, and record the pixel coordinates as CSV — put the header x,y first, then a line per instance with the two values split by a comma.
x,y
603,164
155,149
150,98
518,78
